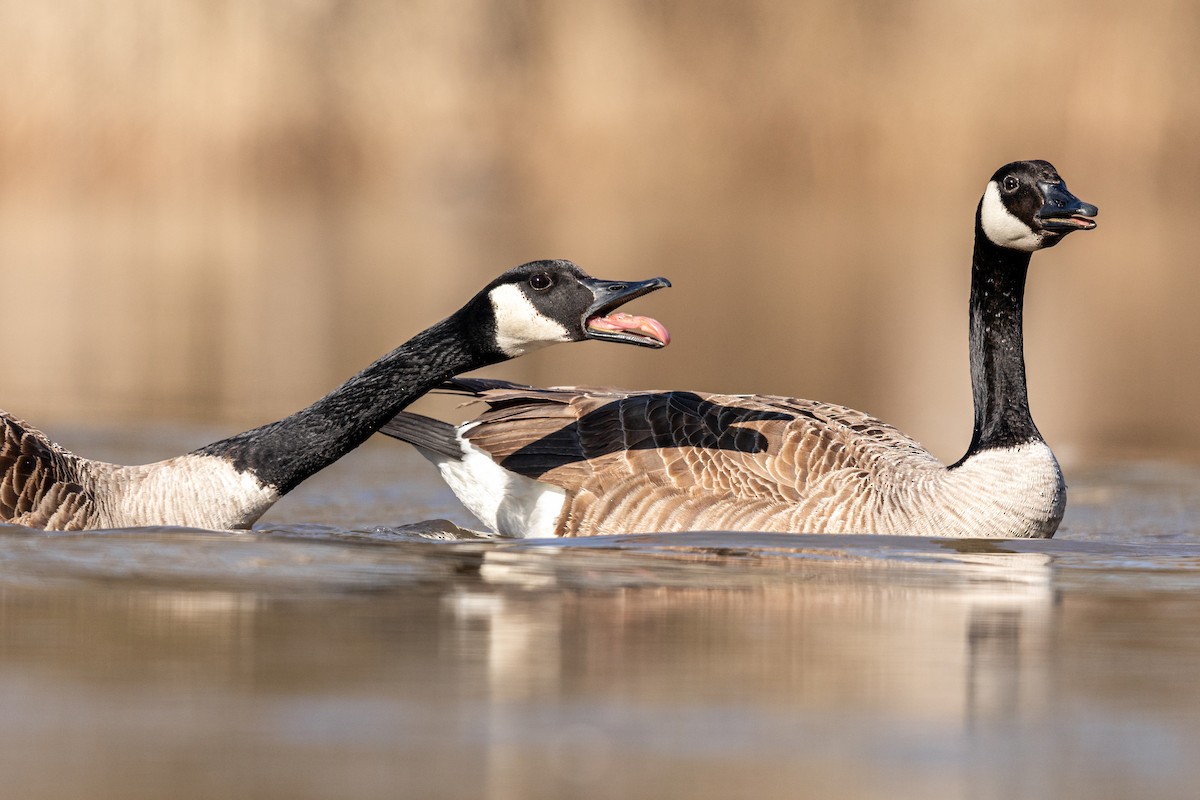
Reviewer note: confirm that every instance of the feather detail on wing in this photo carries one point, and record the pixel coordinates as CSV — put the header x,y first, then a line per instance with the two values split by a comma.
x,y
39,481
675,460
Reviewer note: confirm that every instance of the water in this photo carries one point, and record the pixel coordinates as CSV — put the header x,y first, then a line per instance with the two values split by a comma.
x,y
351,647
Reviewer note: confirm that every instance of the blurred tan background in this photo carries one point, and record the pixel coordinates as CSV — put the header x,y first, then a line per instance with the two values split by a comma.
x,y
217,210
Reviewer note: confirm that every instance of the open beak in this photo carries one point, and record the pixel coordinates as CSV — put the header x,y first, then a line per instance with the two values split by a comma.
x,y
1063,211
602,321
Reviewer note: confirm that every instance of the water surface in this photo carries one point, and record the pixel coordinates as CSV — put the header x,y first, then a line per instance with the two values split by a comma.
x,y
360,643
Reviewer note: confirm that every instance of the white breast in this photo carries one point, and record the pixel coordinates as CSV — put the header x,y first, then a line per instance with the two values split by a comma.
x,y
192,490
1004,492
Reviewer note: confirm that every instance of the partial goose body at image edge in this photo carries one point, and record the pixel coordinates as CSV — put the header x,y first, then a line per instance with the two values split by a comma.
x,y
615,461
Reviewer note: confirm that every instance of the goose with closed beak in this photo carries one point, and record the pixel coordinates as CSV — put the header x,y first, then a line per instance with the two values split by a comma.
x,y
230,483
581,461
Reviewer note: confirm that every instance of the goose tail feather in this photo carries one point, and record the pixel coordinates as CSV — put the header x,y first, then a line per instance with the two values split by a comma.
x,y
425,433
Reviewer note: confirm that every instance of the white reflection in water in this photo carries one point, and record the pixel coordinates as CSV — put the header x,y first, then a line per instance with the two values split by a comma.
x,y
947,645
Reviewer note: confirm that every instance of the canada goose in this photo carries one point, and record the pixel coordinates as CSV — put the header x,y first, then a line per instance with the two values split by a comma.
x,y
579,461
230,483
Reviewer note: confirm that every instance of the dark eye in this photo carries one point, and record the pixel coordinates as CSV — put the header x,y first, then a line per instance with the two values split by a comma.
x,y
1011,183
541,281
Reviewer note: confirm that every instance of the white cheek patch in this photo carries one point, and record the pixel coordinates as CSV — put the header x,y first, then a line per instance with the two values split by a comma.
x,y
1001,227
520,327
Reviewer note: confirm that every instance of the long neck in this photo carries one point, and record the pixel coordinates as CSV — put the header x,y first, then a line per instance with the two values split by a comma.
x,y
284,453
1002,416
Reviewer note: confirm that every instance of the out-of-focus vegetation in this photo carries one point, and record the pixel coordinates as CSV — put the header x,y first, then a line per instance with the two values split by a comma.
x,y
219,209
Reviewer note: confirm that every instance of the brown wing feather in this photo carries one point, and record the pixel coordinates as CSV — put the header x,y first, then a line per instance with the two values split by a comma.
x,y
673,460
40,483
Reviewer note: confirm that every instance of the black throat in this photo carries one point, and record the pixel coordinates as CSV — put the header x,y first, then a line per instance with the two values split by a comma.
x,y
284,453
1002,416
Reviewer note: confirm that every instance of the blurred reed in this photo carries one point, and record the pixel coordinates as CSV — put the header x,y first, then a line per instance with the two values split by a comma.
x,y
218,209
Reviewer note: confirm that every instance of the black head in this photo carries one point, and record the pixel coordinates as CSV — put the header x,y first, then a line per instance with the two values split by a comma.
x,y
1026,206
546,302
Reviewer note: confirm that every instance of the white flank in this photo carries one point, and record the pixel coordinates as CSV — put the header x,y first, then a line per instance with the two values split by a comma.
x,y
520,327
1001,227
193,490
506,502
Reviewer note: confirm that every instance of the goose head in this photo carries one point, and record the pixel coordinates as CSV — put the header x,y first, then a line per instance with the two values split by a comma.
x,y
547,302
1026,206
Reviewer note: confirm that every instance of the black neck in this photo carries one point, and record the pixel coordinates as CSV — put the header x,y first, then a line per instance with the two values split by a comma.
x,y
284,453
1002,416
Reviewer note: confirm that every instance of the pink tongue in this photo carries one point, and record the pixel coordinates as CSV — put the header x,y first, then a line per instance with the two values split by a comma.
x,y
621,321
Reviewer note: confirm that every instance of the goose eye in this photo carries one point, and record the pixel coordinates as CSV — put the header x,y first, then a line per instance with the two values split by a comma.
x,y
541,281
1011,183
